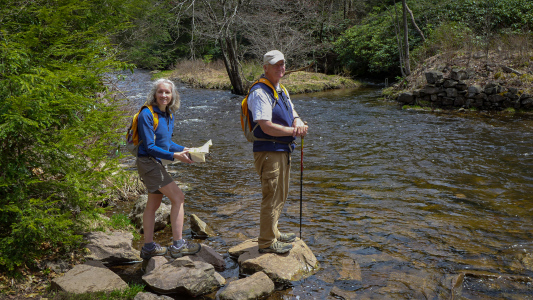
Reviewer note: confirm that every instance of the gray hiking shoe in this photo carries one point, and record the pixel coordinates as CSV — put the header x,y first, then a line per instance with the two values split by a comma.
x,y
185,249
156,251
277,247
287,237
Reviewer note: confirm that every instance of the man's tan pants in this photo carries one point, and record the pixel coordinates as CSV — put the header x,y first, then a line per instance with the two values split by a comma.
x,y
273,168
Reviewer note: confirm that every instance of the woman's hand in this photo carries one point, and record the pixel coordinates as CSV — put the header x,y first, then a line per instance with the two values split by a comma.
x,y
299,128
183,156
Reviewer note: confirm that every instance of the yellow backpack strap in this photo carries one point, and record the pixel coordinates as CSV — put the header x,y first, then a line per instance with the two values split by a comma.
x,y
265,81
155,115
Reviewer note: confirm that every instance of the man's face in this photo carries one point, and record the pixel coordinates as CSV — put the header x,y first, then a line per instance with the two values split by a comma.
x,y
275,71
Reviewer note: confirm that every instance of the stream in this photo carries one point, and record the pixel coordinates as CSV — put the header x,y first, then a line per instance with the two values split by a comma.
x,y
407,200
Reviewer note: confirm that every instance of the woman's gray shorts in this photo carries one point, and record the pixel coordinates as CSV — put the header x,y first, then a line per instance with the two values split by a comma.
x,y
153,174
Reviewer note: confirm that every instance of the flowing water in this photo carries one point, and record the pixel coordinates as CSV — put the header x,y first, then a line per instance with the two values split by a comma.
x,y
401,201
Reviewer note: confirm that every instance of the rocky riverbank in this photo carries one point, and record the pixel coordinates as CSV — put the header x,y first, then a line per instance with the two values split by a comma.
x,y
193,275
486,81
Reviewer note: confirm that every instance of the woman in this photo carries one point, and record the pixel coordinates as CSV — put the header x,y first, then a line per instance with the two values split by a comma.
x,y
155,146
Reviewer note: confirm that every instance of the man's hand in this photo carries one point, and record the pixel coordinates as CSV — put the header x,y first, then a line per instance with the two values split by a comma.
x,y
299,128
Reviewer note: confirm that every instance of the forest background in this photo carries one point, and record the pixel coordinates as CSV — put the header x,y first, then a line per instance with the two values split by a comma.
x,y
61,124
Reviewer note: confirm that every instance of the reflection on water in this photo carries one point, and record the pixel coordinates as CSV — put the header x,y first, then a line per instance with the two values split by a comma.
x,y
414,198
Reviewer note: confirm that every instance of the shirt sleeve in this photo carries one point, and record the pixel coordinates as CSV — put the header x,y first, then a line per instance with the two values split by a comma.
x,y
260,105
145,125
175,147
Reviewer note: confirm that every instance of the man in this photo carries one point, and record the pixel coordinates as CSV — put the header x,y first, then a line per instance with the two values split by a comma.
x,y
279,125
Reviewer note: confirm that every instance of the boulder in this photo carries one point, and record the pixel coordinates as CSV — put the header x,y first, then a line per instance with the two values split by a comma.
x,y
111,248
162,215
406,98
210,256
451,92
339,293
461,87
492,88
527,103
497,98
449,83
256,286
200,229
457,74
153,263
150,296
433,76
183,275
92,276
474,89
295,265
430,90
350,270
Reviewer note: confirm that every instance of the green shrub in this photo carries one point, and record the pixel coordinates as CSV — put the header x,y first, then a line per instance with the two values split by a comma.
x,y
56,134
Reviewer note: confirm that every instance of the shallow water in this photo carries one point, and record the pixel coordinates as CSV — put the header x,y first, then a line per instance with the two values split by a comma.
x,y
411,198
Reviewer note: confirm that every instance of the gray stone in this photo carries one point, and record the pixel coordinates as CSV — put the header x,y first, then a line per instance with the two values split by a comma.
x,y
510,70
511,96
111,248
350,270
447,101
92,276
256,286
162,215
449,83
200,229
527,103
58,267
474,89
492,88
513,90
210,256
183,275
154,263
525,96
459,101
150,296
457,74
339,293
451,92
295,265
430,90
406,98
433,76
461,87
481,96
496,98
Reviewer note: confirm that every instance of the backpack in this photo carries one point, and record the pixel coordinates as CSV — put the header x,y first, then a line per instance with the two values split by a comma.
x,y
132,135
246,120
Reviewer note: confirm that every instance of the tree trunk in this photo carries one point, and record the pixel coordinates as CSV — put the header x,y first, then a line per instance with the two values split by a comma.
x,y
414,23
406,39
232,65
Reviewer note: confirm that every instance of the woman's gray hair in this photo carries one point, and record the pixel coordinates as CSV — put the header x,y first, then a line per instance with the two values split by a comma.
x,y
174,104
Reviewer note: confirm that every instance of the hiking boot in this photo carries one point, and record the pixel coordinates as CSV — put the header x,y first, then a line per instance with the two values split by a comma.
x,y
185,249
156,251
287,237
277,247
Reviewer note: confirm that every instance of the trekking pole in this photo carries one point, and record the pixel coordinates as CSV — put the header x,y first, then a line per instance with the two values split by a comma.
x,y
301,182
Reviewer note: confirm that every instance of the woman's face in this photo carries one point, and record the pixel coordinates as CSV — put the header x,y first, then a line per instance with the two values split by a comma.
x,y
163,95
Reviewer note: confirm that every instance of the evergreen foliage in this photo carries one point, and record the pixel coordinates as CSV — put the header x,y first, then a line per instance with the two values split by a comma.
x,y
55,133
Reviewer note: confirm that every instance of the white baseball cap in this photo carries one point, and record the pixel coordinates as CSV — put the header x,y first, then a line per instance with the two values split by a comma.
x,y
272,57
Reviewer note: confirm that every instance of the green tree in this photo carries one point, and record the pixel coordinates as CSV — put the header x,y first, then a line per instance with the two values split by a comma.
x,y
55,132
